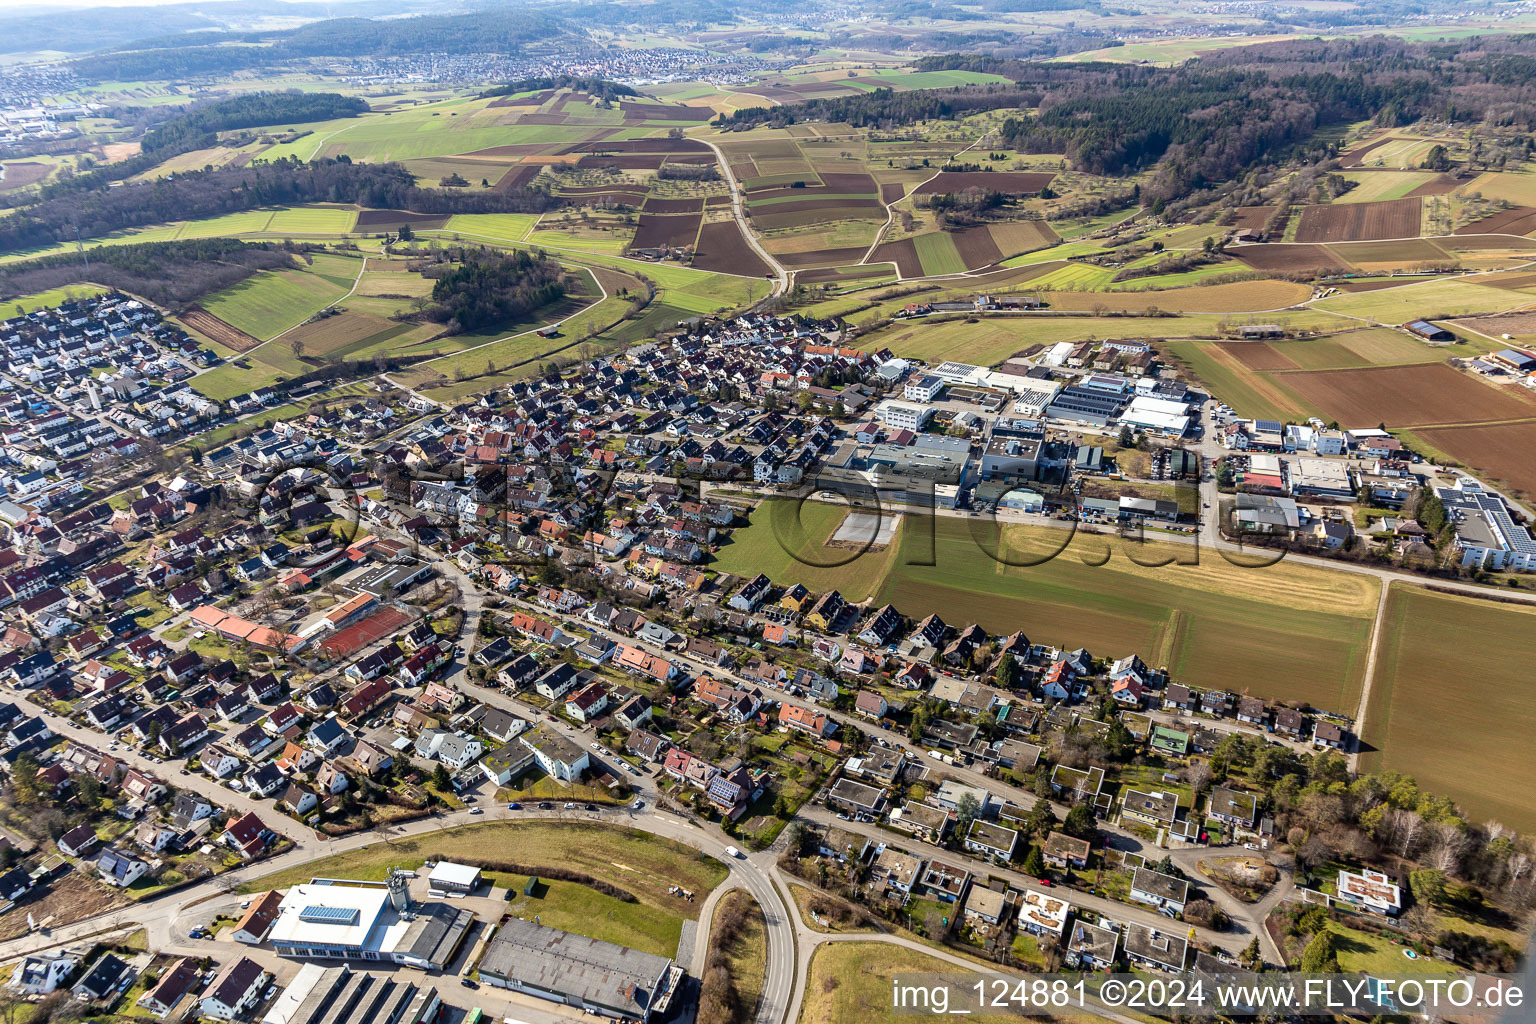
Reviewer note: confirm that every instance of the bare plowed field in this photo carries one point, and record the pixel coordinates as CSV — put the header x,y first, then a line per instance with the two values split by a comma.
x,y
1517,220
657,230
1405,396
1360,222
723,250
517,177
389,220
780,219
664,112
22,174
1501,450
977,247
848,182
854,273
1288,259
892,191
1414,250
210,326
1439,185
827,257
1008,182
654,205
1256,355
600,195
1252,218
903,254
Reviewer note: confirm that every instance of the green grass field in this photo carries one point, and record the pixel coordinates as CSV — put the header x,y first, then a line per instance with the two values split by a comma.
x,y
851,981
937,253
273,301
1210,623
1451,702
508,227
1372,186
1430,299
50,298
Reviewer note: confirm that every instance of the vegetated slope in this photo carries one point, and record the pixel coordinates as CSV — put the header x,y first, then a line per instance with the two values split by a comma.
x,y
1212,119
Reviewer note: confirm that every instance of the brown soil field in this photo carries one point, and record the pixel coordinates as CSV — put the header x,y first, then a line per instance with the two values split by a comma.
x,y
654,205
1009,182
22,174
830,257
1415,250
721,200
1256,355
336,332
389,220
848,182
1406,396
210,326
808,216
690,158
624,161
977,247
1500,450
642,146
853,273
664,112
1004,277
722,249
1360,222
801,205
1503,323
892,191
1515,281
903,254
1273,258
809,190
1252,218
1439,185
675,230
1482,243
517,177
1517,220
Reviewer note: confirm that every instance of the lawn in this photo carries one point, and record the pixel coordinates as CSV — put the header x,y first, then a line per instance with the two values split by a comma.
x,y
573,907
1361,951
1454,671
852,981
275,300
644,864
787,540
50,298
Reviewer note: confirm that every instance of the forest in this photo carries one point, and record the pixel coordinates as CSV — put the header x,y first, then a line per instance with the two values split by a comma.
x,y
168,273
483,287
195,195
592,85
199,126
1214,118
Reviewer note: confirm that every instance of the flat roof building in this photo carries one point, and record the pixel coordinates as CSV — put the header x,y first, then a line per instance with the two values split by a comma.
x,y
352,920
449,877
577,971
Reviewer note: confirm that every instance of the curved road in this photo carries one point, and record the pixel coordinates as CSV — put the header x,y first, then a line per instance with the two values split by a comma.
x,y
781,276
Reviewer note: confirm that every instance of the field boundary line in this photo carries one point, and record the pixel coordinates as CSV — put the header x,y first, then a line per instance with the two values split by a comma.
x,y
322,309
1371,653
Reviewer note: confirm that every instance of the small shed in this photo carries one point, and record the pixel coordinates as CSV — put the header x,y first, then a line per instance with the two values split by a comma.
x,y
447,876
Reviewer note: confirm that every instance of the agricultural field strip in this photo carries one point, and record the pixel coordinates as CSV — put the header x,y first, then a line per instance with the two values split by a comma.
x,y
306,319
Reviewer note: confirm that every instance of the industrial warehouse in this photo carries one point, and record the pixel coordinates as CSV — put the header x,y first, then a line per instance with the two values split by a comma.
x,y
376,921
586,973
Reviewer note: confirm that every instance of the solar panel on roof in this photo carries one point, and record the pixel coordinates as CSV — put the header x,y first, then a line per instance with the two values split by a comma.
x,y
328,915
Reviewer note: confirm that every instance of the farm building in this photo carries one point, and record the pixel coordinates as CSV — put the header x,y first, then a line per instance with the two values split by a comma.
x,y
1429,332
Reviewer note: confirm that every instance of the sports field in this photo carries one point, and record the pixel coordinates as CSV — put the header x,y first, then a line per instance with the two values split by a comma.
x,y
1452,703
